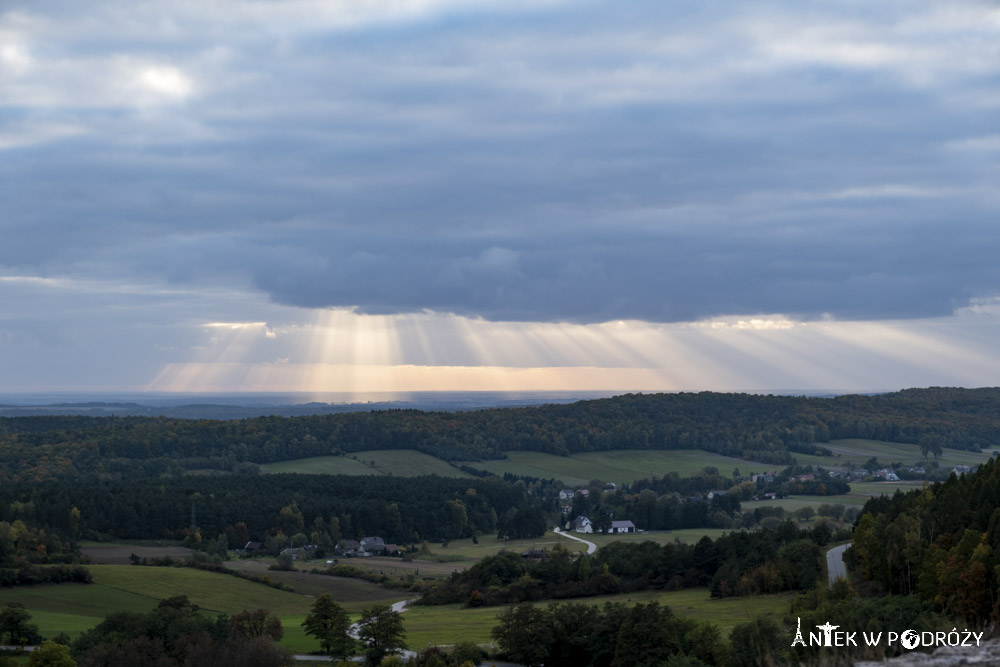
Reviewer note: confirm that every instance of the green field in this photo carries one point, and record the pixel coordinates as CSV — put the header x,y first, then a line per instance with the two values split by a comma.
x,y
622,466
209,590
446,624
73,608
399,462
488,546
353,594
684,535
859,451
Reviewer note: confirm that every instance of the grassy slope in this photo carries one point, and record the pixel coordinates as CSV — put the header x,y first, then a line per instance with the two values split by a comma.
x,y
428,625
628,465
353,594
490,545
74,608
859,451
619,466
686,536
216,592
400,462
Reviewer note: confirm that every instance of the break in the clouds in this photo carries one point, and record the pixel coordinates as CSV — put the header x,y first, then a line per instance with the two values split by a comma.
x,y
533,161
314,195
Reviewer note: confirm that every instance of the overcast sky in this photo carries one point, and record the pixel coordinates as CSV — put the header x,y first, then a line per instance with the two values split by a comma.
x,y
442,194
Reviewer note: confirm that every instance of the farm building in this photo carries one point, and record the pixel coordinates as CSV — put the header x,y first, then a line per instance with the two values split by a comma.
x,y
621,527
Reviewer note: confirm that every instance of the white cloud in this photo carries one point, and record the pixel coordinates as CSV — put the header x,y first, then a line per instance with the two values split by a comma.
x,y
166,81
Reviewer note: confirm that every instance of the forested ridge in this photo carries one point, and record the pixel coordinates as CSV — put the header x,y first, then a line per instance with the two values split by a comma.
x,y
764,428
941,543
322,508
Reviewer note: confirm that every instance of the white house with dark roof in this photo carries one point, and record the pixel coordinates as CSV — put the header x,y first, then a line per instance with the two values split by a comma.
x,y
621,527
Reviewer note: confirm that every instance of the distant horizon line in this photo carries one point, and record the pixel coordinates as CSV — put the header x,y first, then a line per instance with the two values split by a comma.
x,y
361,396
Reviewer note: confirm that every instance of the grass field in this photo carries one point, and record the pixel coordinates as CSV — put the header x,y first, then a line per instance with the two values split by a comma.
x,y
489,546
353,594
622,466
685,536
399,462
74,608
628,465
428,626
859,451
120,554
619,466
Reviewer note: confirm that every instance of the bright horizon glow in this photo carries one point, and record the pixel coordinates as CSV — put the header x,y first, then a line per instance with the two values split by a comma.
x,y
340,351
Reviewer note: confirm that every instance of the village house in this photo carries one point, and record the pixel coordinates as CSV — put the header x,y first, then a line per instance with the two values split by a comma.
x,y
347,548
372,546
618,527
582,525
297,553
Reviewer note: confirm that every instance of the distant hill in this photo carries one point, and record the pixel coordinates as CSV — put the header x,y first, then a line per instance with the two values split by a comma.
x,y
765,428
194,406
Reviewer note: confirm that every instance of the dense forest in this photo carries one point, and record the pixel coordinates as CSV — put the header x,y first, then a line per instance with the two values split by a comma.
x,y
317,509
769,429
941,543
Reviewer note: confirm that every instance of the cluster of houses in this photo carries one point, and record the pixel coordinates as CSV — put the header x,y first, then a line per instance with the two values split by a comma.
x,y
582,524
368,546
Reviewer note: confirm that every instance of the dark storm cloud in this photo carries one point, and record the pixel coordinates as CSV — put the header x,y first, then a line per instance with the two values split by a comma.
x,y
665,162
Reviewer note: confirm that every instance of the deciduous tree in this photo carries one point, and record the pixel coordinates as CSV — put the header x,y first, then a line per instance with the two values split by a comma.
x,y
381,631
329,623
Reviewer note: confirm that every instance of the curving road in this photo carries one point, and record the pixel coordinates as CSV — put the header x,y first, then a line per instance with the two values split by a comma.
x,y
591,547
835,563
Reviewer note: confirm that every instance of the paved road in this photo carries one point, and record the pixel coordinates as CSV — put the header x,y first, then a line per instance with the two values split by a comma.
x,y
591,547
835,562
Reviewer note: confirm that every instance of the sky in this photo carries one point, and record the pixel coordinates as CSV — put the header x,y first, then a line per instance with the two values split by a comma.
x,y
399,195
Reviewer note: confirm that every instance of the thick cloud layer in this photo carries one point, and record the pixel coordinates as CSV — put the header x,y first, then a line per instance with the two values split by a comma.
x,y
512,161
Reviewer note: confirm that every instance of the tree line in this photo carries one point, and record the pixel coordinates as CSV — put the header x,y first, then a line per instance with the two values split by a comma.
x,y
763,428
735,564
314,509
